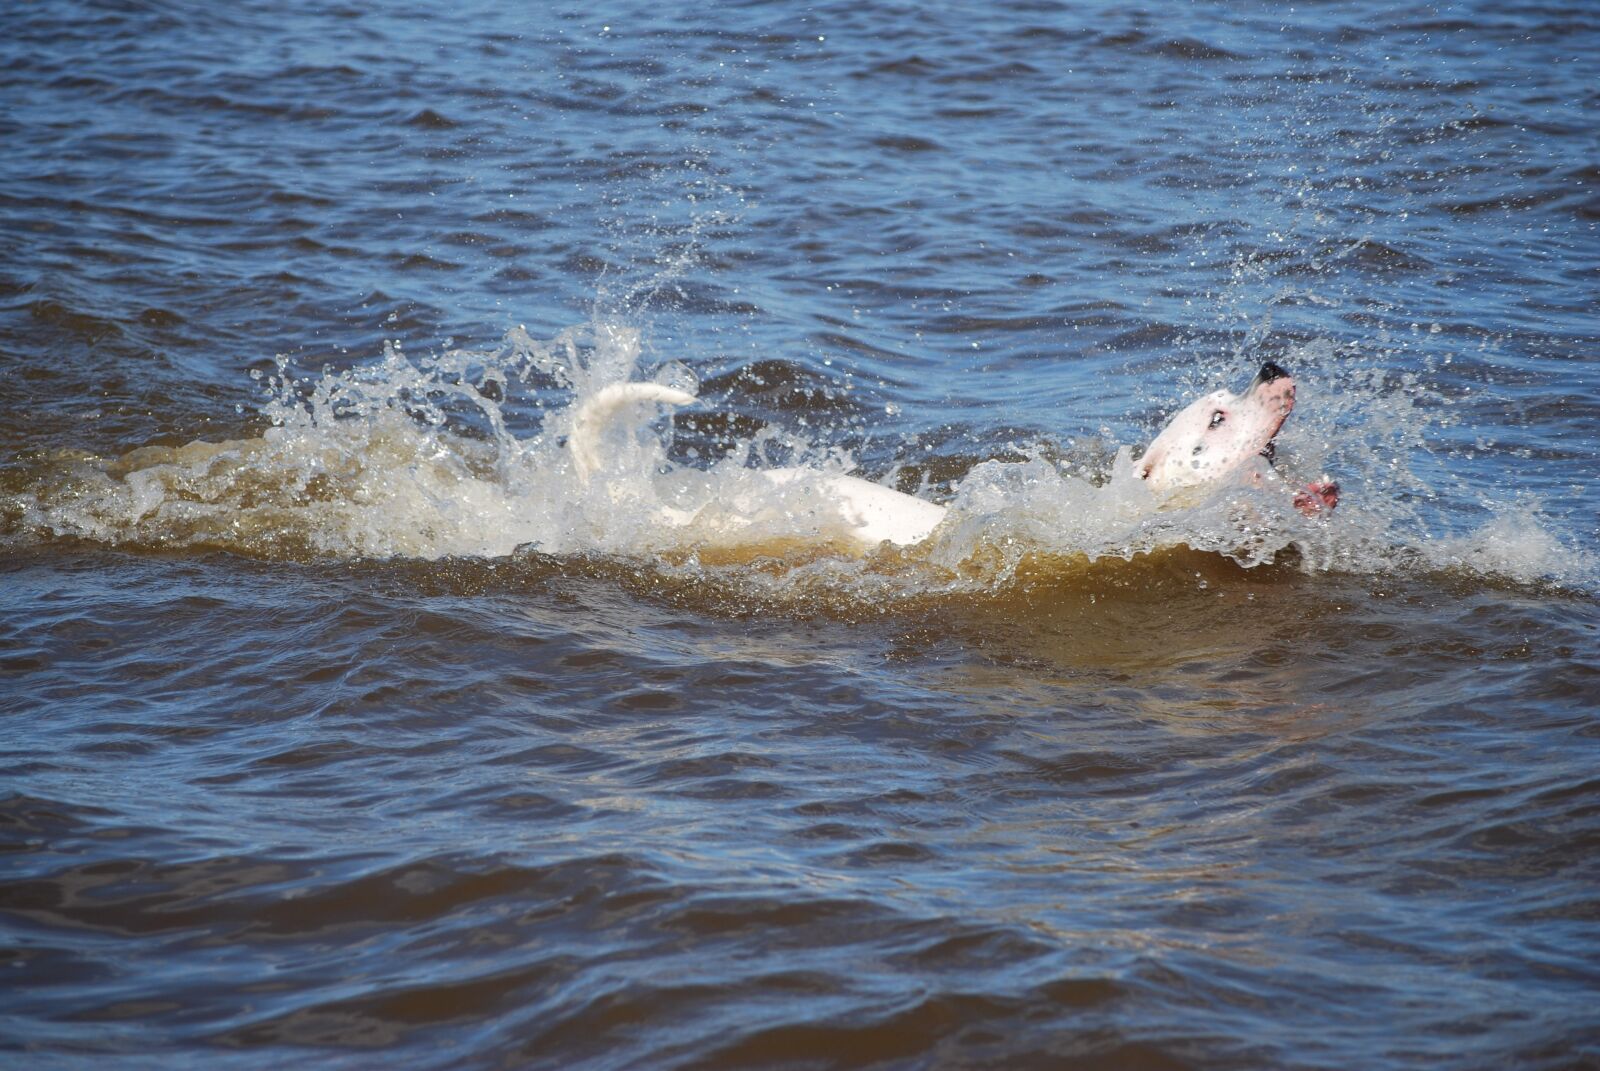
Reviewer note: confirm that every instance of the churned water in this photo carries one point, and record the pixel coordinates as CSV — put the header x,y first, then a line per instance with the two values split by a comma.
x,y
343,723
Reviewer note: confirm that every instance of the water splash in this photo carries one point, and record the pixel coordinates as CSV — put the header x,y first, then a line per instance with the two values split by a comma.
x,y
462,453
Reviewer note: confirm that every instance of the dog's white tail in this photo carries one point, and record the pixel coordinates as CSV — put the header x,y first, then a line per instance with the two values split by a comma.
x,y
596,414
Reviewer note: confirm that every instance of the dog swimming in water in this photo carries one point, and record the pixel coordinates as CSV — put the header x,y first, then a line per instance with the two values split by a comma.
x,y
1217,439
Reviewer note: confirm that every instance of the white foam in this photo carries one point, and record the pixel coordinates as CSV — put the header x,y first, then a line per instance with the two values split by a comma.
x,y
1514,546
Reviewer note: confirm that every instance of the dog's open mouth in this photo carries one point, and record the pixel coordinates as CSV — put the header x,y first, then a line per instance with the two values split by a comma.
x,y
1273,373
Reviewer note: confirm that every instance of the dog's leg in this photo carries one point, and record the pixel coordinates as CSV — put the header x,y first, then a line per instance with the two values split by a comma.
x,y
1318,498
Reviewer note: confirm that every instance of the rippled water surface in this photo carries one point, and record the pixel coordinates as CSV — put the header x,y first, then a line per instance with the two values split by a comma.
x,y
344,723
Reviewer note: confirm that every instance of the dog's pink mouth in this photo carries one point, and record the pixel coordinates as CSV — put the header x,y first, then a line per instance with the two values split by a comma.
x,y
1273,388
1270,449
1276,388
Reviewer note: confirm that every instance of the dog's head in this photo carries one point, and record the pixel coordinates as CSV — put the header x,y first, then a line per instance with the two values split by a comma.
x,y
1214,436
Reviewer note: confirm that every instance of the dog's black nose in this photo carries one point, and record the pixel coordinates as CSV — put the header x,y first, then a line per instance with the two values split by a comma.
x,y
1270,371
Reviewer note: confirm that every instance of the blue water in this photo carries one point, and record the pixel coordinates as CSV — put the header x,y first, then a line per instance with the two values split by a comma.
x,y
339,728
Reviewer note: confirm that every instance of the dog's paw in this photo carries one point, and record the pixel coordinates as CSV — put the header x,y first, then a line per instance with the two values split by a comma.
x,y
1318,498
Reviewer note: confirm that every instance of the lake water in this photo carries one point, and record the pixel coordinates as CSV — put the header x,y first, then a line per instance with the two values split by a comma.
x,y
342,725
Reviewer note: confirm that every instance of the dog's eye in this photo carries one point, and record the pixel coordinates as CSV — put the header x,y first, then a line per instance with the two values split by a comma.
x,y
1217,418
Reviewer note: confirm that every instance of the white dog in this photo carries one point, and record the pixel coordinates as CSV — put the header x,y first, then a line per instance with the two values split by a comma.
x,y
1226,436
1221,437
